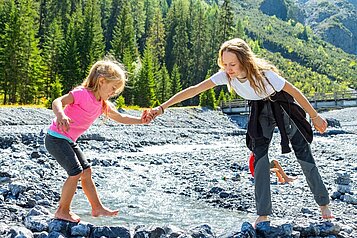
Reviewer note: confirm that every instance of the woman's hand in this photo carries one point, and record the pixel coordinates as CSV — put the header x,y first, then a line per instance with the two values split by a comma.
x,y
319,123
146,117
157,111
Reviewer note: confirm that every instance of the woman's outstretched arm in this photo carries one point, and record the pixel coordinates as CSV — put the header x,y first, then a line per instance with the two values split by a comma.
x,y
183,95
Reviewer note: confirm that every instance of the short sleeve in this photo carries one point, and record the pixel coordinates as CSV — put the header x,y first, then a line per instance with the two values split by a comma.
x,y
276,80
77,94
219,78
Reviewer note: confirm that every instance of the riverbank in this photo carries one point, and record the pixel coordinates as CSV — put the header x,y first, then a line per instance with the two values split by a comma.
x,y
192,153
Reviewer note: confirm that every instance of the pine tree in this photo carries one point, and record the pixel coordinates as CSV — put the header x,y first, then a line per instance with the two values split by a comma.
x,y
112,22
91,44
240,33
180,49
145,96
176,80
70,71
226,21
156,37
222,97
21,61
53,40
124,36
198,65
10,60
163,85
139,17
214,41
208,99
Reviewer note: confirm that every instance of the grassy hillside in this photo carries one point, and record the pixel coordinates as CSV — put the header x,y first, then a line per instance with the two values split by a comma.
x,y
301,55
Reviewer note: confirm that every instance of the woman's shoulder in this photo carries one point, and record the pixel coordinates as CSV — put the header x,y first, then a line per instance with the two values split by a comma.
x,y
219,76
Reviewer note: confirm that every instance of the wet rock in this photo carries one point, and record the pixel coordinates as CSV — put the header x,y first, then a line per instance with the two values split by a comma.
x,y
18,231
110,232
16,188
157,232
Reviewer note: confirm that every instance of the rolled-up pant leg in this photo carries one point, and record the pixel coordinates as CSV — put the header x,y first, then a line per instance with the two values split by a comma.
x,y
304,156
261,163
262,177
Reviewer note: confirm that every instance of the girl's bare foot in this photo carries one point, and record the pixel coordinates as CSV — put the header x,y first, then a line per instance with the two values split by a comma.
x,y
103,211
260,219
67,216
326,212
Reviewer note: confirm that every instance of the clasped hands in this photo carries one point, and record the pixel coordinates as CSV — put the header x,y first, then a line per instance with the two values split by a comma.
x,y
150,114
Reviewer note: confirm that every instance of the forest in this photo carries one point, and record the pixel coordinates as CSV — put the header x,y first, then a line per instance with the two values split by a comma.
x,y
48,46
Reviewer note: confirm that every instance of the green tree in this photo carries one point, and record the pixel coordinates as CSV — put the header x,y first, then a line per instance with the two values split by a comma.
x,y
53,40
112,22
208,99
198,63
124,42
156,37
176,80
145,84
91,45
226,21
164,85
70,71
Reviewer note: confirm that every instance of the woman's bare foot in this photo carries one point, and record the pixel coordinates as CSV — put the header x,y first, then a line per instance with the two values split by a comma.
x,y
260,219
67,216
103,211
326,212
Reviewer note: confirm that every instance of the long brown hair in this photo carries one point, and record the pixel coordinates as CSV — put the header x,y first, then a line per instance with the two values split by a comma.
x,y
252,65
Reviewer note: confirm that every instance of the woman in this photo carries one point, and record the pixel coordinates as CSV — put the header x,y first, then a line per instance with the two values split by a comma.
x,y
272,101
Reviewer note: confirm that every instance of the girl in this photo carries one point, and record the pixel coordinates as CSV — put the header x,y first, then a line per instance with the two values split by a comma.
x,y
272,104
82,106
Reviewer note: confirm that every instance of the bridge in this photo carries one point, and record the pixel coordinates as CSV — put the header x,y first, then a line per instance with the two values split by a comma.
x,y
320,101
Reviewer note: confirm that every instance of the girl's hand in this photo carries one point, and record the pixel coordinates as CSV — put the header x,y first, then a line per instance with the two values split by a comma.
x,y
63,123
154,112
319,123
146,117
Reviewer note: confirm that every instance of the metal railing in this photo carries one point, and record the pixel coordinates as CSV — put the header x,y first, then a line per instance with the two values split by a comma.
x,y
338,99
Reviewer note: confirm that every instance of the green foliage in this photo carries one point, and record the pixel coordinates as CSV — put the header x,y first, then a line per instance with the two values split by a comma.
x,y
221,97
46,49
145,84
208,99
120,102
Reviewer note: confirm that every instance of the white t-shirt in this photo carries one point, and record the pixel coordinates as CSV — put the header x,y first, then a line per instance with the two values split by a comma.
x,y
245,90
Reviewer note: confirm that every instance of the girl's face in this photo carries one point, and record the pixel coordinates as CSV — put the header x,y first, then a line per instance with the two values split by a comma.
x,y
107,88
232,66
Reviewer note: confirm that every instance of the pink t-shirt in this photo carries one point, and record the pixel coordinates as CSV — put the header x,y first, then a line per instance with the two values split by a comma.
x,y
83,111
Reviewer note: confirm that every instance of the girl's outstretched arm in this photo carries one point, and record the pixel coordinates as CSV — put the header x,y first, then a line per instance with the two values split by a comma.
x,y
128,119
319,122
183,95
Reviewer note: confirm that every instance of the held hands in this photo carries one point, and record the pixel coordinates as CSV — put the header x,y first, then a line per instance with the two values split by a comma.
x,y
146,117
319,123
149,115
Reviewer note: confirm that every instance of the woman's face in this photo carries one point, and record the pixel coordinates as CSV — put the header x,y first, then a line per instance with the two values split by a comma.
x,y
232,66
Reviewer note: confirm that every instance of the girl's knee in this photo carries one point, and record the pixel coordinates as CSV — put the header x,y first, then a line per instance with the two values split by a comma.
x,y
75,177
87,172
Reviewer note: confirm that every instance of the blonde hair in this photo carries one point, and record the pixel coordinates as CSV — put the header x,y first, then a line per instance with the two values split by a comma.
x,y
109,69
252,65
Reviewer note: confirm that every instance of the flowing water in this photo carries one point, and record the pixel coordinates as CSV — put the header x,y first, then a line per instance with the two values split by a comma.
x,y
141,195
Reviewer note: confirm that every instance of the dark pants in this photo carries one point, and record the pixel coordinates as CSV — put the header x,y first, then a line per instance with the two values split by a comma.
x,y
67,154
262,166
